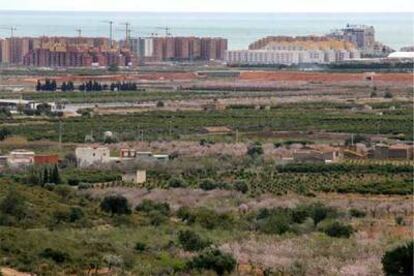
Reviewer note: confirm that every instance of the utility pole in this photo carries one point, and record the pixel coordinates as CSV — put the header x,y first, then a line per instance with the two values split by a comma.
x,y
166,29
11,29
111,23
60,134
79,31
127,33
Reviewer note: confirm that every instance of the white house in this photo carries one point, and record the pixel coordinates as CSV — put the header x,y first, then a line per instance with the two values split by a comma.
x,y
88,156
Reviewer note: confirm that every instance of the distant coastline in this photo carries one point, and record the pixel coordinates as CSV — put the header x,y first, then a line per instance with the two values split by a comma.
x,y
393,29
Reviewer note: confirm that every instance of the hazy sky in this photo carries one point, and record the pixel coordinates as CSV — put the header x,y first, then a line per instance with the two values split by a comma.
x,y
214,5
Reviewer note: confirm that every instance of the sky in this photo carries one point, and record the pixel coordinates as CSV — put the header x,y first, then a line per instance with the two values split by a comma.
x,y
212,5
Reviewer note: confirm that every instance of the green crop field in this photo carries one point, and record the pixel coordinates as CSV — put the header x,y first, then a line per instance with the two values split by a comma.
x,y
175,125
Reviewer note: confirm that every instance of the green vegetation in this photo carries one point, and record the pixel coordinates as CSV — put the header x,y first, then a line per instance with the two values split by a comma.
x,y
175,125
215,260
191,241
307,179
67,231
337,229
399,261
116,205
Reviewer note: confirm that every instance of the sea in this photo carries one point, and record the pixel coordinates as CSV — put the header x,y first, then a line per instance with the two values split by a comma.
x,y
393,29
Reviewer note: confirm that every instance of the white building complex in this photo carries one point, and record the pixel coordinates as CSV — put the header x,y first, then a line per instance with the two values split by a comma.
x,y
294,51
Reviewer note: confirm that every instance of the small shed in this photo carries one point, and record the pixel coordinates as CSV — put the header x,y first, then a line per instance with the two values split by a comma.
x,y
139,177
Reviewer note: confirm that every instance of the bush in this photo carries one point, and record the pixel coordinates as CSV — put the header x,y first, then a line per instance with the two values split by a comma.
x,y
356,213
319,212
191,241
213,259
241,186
299,214
84,186
275,221
205,217
115,204
13,205
337,229
399,261
160,104
75,214
176,183
208,184
156,217
388,95
140,246
56,255
4,132
73,181
399,221
255,150
148,206
185,214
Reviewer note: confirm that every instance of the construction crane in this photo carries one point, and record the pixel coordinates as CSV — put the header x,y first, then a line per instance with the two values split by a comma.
x,y
111,23
127,32
166,29
11,29
79,31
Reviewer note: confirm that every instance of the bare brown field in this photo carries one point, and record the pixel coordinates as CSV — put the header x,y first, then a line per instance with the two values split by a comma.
x,y
324,77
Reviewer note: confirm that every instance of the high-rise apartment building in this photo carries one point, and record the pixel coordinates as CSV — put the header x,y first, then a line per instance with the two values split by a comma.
x,y
179,48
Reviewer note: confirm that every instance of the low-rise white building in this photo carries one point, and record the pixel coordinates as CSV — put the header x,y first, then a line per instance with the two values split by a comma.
x,y
288,56
20,158
89,156
139,177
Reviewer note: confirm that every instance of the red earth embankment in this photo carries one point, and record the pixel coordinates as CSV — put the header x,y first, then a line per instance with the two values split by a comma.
x,y
323,77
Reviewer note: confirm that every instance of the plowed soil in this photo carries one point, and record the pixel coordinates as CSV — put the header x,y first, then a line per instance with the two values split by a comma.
x,y
323,77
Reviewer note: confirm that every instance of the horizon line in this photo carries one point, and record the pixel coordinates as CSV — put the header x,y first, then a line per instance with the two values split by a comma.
x,y
220,12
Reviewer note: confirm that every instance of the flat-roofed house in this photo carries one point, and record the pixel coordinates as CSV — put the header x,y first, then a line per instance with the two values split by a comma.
x,y
20,158
89,156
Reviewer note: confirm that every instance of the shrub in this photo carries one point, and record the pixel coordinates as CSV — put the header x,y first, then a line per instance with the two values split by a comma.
x,y
176,183
255,150
185,214
241,186
399,221
140,246
191,241
14,205
388,95
319,212
399,261
210,219
56,255
4,132
274,221
205,217
75,214
299,214
208,184
73,181
337,229
84,186
115,204
356,213
160,104
148,206
156,217
213,259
